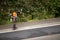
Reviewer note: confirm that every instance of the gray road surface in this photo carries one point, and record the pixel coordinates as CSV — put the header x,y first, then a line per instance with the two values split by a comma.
x,y
48,37
30,33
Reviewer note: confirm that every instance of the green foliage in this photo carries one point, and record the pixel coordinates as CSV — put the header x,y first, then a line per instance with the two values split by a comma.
x,y
29,9
3,17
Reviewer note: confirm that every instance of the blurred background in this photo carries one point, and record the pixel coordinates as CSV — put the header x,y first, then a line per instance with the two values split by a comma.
x,y
28,10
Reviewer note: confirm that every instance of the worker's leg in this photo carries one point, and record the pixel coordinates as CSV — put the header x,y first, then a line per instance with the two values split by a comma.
x,y
14,25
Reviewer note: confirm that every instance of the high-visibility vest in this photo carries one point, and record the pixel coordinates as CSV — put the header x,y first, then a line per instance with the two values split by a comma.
x,y
14,14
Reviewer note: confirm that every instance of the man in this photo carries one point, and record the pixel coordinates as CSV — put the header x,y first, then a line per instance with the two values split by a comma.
x,y
14,19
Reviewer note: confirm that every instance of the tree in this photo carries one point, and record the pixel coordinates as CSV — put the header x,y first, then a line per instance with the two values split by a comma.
x,y
29,9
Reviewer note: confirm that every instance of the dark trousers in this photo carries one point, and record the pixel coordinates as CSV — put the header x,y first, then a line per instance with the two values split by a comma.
x,y
14,23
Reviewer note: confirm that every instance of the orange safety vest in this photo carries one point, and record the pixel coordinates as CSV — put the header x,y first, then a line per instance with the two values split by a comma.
x,y
14,14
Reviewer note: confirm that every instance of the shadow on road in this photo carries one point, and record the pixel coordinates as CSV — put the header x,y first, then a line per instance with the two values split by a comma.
x,y
24,34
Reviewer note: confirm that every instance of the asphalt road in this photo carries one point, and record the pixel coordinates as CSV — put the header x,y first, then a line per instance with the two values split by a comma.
x,y
48,37
31,33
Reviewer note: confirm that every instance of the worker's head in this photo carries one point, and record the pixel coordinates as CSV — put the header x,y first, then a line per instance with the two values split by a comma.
x,y
15,14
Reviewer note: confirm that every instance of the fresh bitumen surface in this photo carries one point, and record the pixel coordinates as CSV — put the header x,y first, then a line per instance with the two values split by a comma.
x,y
24,34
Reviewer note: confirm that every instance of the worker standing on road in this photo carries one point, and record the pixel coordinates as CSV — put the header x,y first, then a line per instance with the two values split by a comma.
x,y
14,19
